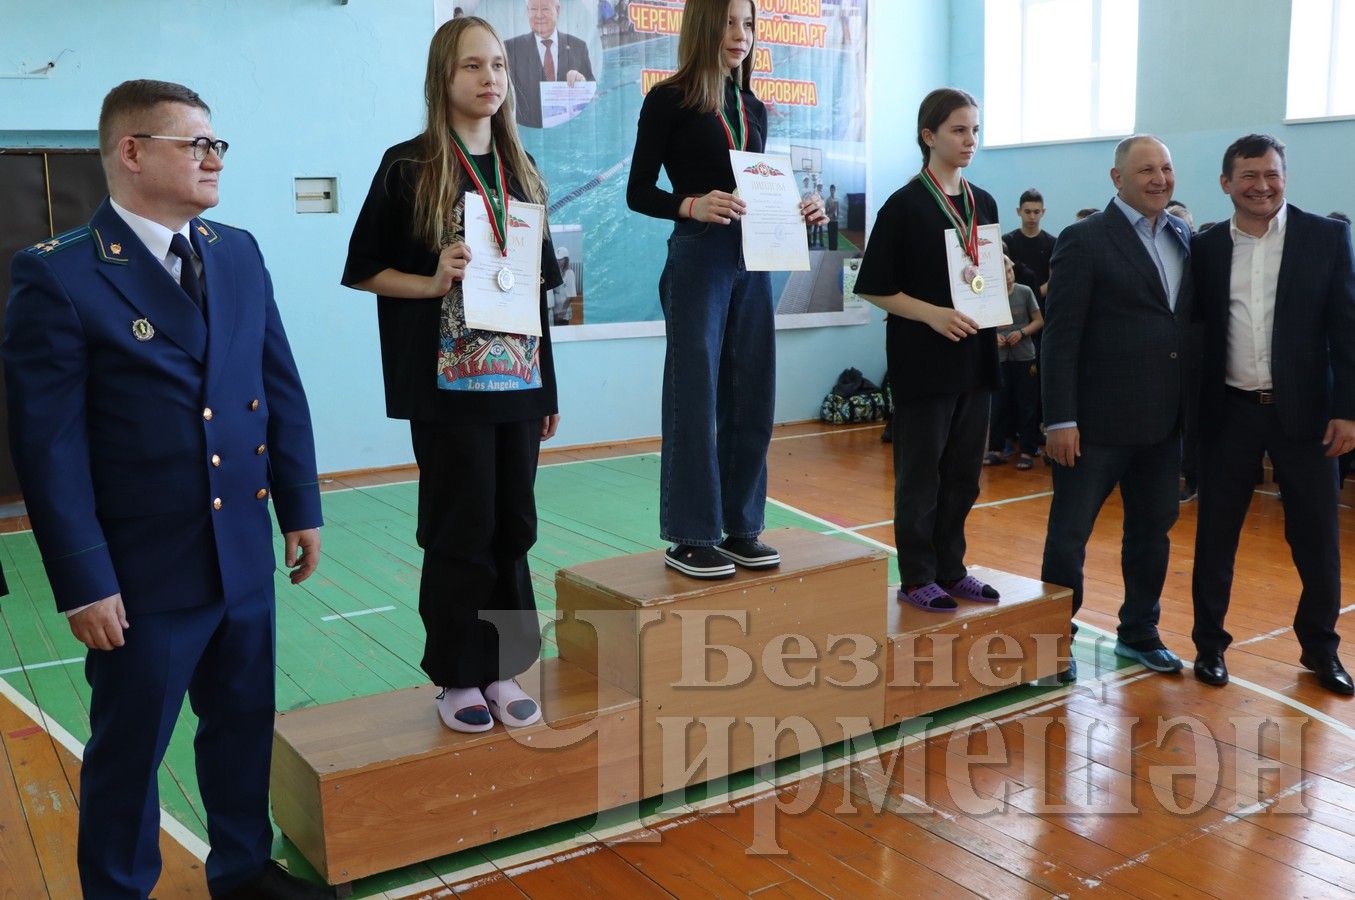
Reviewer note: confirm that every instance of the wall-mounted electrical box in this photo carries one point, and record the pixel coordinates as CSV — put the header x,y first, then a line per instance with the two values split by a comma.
x,y
317,195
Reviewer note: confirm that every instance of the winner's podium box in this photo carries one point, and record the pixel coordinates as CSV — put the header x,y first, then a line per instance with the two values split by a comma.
x,y
937,660
372,784
739,671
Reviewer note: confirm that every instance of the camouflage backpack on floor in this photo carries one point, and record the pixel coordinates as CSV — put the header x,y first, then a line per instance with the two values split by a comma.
x,y
853,400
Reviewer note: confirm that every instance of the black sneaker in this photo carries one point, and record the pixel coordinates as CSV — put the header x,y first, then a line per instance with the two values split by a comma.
x,y
750,553
276,883
698,562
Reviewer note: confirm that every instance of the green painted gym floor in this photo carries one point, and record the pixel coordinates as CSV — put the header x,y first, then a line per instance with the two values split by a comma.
x,y
370,567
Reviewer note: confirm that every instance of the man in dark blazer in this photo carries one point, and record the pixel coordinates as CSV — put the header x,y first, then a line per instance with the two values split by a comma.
x,y
543,54
1114,378
154,409
1276,289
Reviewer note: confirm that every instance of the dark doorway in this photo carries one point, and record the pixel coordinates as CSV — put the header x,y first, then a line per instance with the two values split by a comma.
x,y
43,193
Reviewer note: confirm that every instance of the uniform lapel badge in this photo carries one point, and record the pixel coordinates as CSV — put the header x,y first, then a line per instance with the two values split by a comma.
x,y
202,230
143,330
115,249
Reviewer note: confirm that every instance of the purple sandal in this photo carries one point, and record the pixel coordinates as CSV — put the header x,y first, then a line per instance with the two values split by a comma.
x,y
929,597
970,588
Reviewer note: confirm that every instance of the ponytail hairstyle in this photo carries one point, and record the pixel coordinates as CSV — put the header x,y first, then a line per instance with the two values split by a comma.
x,y
440,175
700,76
935,110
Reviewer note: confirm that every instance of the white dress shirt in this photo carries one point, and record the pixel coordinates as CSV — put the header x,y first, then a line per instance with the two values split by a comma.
x,y
1251,303
554,38
156,237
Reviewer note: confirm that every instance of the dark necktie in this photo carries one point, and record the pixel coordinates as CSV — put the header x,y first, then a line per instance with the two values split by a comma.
x,y
547,63
188,273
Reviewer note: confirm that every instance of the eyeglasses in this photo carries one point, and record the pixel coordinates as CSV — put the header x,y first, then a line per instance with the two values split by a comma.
x,y
200,145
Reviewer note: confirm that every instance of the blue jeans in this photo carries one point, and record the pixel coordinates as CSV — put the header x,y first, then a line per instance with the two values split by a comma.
x,y
719,380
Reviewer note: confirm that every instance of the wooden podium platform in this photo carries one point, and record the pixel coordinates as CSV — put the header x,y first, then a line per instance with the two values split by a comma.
x,y
654,633
664,681
378,782
937,660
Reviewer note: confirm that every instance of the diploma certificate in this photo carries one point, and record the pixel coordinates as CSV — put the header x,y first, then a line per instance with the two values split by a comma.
x,y
979,291
561,101
503,293
774,238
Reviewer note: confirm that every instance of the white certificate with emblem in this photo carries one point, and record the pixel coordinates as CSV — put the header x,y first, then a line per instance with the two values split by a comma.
x,y
979,292
774,236
503,293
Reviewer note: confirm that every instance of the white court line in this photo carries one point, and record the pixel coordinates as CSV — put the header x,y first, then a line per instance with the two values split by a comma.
x,y
354,615
989,504
992,503
600,459
42,665
1340,727
1281,631
172,826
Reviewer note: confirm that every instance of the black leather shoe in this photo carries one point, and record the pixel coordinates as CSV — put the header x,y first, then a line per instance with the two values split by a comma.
x,y
276,883
1210,670
1330,673
1068,675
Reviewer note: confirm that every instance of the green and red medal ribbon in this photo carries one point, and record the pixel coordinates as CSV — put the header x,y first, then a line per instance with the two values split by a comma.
x,y
967,225
742,142
496,202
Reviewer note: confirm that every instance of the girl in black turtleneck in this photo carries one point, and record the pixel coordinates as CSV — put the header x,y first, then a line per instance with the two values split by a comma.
x,y
719,372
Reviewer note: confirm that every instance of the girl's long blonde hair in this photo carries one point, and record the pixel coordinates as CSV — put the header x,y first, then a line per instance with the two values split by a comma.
x,y
700,76
440,173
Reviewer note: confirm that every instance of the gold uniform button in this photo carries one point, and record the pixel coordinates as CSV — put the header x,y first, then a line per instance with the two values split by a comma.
x,y
253,405
216,460
216,504
261,494
207,414
258,451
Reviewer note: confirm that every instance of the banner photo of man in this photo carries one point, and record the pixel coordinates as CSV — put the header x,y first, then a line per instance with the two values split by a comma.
x,y
580,71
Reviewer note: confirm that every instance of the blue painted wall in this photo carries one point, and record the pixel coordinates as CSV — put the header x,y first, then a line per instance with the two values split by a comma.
x,y
1209,71
312,87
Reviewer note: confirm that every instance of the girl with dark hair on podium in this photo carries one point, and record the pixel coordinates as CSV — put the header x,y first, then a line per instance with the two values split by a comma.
x,y
942,366
719,371
479,403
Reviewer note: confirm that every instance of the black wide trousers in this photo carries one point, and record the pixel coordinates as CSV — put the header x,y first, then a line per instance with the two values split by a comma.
x,y
476,522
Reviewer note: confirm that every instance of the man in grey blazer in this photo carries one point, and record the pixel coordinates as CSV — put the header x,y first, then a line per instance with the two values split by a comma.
x,y
543,54
1114,378
1276,287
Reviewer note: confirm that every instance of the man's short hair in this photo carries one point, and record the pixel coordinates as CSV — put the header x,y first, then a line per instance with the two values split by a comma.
x,y
1338,216
1030,195
1251,146
132,98
1177,204
1087,211
1123,147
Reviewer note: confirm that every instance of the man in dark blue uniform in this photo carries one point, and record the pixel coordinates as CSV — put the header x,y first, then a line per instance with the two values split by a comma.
x,y
154,409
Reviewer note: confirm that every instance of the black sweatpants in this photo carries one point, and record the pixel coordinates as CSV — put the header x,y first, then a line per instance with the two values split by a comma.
x,y
476,522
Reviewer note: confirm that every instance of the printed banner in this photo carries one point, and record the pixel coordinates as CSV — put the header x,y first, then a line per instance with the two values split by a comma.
x,y
579,125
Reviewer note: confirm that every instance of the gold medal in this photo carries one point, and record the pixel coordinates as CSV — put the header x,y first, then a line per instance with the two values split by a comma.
x,y
976,285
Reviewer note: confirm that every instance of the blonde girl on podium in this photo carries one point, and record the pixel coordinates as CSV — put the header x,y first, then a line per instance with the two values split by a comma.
x,y
479,403
719,371
942,367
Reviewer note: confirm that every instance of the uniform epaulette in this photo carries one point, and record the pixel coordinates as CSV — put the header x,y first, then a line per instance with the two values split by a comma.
x,y
60,242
